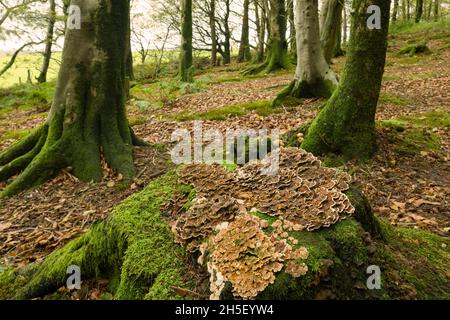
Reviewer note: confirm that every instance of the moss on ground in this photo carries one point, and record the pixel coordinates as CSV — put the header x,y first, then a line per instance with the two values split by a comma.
x,y
413,133
388,98
262,108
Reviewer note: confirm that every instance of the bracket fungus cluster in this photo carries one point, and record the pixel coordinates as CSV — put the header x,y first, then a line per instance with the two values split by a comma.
x,y
237,245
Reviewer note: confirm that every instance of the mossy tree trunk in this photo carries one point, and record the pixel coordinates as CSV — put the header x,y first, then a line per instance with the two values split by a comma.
x,y
329,33
346,125
313,76
88,115
244,46
186,42
277,50
419,10
48,42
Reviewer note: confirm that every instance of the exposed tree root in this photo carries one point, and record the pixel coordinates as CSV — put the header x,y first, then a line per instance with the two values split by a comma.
x,y
41,154
320,88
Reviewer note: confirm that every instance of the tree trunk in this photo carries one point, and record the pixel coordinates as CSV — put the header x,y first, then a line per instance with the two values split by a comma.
x,y
344,27
419,10
244,47
48,43
226,44
436,10
404,10
313,76
186,68
337,51
277,57
330,29
346,125
293,42
87,117
260,31
394,11
212,26
408,10
323,13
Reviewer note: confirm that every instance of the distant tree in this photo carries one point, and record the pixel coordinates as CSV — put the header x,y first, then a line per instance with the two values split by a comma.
x,y
313,76
186,67
436,10
346,124
260,22
87,120
277,50
48,42
244,45
290,14
330,29
212,26
394,11
419,10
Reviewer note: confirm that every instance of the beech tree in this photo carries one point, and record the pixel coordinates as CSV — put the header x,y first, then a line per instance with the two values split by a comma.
x,y
87,119
346,124
313,76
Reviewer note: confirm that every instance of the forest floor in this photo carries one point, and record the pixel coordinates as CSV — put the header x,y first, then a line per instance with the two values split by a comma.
x,y
407,181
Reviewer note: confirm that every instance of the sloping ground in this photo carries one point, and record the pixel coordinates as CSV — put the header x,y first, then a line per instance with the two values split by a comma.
x,y
407,181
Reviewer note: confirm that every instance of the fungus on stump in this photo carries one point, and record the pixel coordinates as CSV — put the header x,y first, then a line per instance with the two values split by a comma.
x,y
87,119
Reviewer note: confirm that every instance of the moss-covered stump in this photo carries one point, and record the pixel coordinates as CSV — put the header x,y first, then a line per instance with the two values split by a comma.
x,y
136,250
413,49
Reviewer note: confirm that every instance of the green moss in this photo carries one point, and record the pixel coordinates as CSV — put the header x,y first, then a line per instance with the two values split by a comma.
x,y
137,120
391,99
432,119
414,49
416,140
413,134
16,134
262,108
134,248
397,125
333,160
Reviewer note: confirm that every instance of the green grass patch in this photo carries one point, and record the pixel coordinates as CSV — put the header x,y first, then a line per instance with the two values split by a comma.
x,y
409,27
